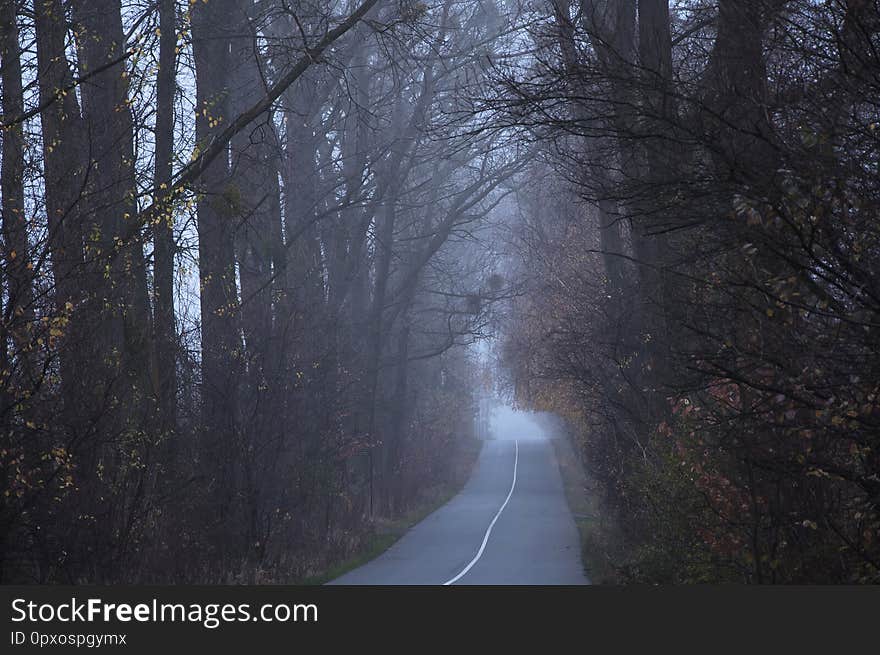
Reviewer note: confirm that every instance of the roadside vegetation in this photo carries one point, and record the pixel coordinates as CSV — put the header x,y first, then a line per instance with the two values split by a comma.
x,y
700,244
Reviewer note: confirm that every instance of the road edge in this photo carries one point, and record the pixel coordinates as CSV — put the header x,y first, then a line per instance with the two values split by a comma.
x,y
583,505
393,531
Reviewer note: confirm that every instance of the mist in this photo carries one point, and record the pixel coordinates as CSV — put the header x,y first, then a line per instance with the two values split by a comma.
x,y
281,279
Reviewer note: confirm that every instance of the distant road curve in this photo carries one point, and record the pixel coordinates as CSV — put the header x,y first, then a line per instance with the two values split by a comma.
x,y
510,525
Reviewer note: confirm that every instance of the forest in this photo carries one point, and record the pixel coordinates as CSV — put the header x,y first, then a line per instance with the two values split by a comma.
x,y
262,261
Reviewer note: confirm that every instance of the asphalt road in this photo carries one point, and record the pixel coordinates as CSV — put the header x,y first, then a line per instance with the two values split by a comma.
x,y
499,530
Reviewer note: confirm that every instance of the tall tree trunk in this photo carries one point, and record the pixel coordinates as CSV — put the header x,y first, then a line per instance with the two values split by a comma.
x,y
736,95
164,333
375,346
662,160
612,29
221,340
301,286
18,317
256,185
115,250
254,176
64,169
399,407
119,315
300,312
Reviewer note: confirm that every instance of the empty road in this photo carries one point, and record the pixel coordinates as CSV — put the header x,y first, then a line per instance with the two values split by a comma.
x,y
510,525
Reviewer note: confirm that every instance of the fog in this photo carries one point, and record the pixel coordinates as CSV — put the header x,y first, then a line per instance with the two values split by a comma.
x,y
512,424
273,271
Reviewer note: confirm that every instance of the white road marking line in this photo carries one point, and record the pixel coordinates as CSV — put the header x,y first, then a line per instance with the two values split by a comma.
x,y
492,524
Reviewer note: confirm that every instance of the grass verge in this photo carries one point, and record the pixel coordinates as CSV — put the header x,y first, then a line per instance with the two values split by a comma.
x,y
387,532
584,505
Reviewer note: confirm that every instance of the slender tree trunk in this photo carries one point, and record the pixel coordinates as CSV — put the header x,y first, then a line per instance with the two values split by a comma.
x,y
115,250
375,347
18,317
64,170
221,339
611,26
164,333
300,311
254,177
398,415
662,160
256,183
119,314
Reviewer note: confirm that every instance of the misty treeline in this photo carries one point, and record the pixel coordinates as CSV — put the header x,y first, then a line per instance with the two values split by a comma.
x,y
245,246
701,242
241,265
